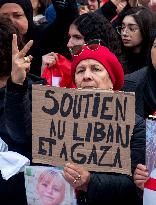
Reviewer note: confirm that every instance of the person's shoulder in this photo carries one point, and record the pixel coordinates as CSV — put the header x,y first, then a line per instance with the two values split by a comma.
x,y
137,75
132,80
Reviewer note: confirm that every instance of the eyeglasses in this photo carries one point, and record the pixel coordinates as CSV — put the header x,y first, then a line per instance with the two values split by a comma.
x,y
92,45
132,28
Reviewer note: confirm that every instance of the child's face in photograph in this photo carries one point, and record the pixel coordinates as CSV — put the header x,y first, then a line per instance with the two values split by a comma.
x,y
51,190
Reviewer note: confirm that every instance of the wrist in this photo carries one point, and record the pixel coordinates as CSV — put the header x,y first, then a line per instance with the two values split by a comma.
x,y
85,186
16,88
16,80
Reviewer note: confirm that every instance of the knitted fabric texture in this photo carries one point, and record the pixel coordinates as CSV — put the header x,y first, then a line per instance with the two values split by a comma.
x,y
104,56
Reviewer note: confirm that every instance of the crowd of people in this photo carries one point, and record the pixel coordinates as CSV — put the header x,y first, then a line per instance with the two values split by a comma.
x,y
89,44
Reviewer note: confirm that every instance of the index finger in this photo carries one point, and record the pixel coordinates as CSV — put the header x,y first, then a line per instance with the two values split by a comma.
x,y
25,49
55,55
14,45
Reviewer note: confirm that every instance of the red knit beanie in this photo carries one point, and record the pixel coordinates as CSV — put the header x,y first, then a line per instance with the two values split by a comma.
x,y
107,59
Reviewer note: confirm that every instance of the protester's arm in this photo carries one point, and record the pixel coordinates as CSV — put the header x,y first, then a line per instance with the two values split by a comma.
x,y
111,187
56,34
18,112
16,103
101,188
118,186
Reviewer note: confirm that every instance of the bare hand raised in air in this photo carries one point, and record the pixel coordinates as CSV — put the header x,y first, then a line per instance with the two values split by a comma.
x,y
20,62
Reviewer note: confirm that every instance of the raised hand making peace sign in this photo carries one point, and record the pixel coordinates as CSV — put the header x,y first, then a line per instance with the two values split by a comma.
x,y
20,62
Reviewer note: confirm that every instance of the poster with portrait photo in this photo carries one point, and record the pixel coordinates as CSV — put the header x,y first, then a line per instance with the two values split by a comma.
x,y
150,144
149,197
47,186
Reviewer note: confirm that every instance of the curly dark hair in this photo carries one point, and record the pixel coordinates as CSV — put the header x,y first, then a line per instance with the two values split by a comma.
x,y
94,26
7,30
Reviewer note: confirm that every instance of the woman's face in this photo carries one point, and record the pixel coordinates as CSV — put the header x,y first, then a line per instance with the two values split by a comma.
x,y
75,37
153,54
51,190
92,74
130,34
17,16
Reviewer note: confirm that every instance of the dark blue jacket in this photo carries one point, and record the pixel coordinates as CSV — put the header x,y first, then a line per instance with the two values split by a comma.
x,y
143,83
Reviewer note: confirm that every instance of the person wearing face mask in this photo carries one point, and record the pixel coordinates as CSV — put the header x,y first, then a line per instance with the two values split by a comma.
x,y
46,37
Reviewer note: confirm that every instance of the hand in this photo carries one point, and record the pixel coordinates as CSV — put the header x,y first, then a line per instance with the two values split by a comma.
x,y
140,176
20,63
117,2
77,176
49,60
121,6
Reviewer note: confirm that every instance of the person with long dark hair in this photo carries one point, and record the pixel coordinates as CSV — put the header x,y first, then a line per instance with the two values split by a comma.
x,y
143,82
134,29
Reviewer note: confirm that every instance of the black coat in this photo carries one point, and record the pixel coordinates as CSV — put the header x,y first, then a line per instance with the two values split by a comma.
x,y
9,190
143,83
113,188
12,191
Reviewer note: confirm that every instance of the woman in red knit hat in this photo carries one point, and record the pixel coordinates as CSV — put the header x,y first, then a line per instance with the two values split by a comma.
x,y
95,66
87,28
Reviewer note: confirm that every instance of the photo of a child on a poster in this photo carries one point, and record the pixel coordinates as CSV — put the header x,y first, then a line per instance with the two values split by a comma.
x,y
47,186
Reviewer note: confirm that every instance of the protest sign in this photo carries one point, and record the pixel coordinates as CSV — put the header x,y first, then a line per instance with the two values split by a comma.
x,y
150,186
92,128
